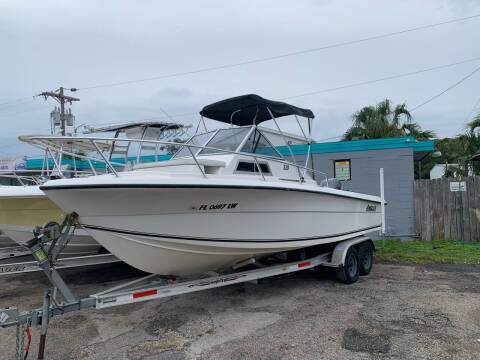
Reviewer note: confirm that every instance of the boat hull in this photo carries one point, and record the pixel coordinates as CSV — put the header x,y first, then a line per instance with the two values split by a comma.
x,y
187,230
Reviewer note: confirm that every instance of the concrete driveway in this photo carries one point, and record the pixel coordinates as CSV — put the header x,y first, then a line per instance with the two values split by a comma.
x,y
398,312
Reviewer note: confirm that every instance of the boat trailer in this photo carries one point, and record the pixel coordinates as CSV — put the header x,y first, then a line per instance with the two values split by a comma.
x,y
19,259
146,288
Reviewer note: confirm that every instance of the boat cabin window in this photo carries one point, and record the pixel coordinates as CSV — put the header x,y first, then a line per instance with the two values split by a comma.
x,y
258,144
251,167
226,139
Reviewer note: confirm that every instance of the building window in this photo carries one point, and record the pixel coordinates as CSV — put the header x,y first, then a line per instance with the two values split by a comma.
x,y
342,169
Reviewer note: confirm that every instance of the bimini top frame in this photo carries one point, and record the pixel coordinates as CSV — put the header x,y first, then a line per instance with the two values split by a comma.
x,y
253,109
235,111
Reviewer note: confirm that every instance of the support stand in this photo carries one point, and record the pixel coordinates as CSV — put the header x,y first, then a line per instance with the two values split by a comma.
x,y
382,197
45,321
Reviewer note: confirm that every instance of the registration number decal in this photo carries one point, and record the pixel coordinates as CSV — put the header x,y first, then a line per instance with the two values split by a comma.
x,y
222,206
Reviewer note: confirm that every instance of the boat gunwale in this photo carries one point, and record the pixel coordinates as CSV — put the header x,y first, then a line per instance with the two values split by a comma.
x,y
344,194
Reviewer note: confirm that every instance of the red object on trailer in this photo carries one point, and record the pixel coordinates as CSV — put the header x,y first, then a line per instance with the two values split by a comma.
x,y
144,293
307,263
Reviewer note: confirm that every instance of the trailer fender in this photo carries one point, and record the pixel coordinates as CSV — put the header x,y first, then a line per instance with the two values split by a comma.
x,y
340,251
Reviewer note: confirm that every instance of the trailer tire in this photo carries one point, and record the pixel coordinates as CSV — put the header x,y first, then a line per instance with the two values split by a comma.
x,y
348,273
365,257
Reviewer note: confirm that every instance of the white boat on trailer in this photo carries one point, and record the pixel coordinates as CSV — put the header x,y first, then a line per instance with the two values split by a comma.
x,y
227,196
25,206
350,254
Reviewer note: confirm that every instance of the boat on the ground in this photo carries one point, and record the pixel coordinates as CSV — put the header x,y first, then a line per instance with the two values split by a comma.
x,y
226,196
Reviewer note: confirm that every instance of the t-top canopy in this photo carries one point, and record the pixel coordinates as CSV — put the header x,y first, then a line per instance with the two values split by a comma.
x,y
250,109
136,124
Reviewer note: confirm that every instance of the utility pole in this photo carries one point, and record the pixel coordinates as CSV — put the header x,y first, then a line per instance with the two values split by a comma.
x,y
59,96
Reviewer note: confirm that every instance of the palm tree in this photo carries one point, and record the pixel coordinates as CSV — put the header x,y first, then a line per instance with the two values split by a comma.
x,y
471,142
380,121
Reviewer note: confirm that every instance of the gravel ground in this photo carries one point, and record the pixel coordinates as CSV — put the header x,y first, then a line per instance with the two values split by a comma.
x,y
398,312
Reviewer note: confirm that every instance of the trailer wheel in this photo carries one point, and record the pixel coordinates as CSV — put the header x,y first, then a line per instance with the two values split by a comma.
x,y
349,272
365,257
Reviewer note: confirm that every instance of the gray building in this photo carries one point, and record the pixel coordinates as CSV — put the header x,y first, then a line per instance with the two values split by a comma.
x,y
358,164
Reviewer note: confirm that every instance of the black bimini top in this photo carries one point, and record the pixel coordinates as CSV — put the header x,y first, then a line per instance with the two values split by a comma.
x,y
250,109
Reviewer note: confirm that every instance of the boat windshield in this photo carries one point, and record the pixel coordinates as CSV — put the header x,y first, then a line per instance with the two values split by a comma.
x,y
199,139
230,140
257,143
226,139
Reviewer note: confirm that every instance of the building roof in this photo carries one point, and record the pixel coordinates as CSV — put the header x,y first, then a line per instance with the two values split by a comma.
x,y
475,157
420,148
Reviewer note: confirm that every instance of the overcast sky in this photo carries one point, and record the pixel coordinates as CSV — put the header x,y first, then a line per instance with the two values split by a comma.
x,y
47,44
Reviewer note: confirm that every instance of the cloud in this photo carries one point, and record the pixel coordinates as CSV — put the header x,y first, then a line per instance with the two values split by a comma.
x,y
79,44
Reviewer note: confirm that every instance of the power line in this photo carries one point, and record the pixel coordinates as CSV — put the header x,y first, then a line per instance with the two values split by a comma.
x,y
380,79
13,104
280,56
167,116
336,88
447,89
473,109
14,101
24,111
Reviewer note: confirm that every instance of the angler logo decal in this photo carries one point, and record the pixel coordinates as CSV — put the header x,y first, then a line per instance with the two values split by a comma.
x,y
371,208
206,207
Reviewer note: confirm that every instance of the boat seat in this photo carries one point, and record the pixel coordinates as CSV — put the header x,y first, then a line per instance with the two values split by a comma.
x,y
177,162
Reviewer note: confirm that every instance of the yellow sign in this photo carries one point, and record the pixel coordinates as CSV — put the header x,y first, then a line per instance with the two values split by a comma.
x,y
40,255
342,170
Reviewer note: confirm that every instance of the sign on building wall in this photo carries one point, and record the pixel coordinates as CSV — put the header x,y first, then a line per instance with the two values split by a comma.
x,y
342,170
10,164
